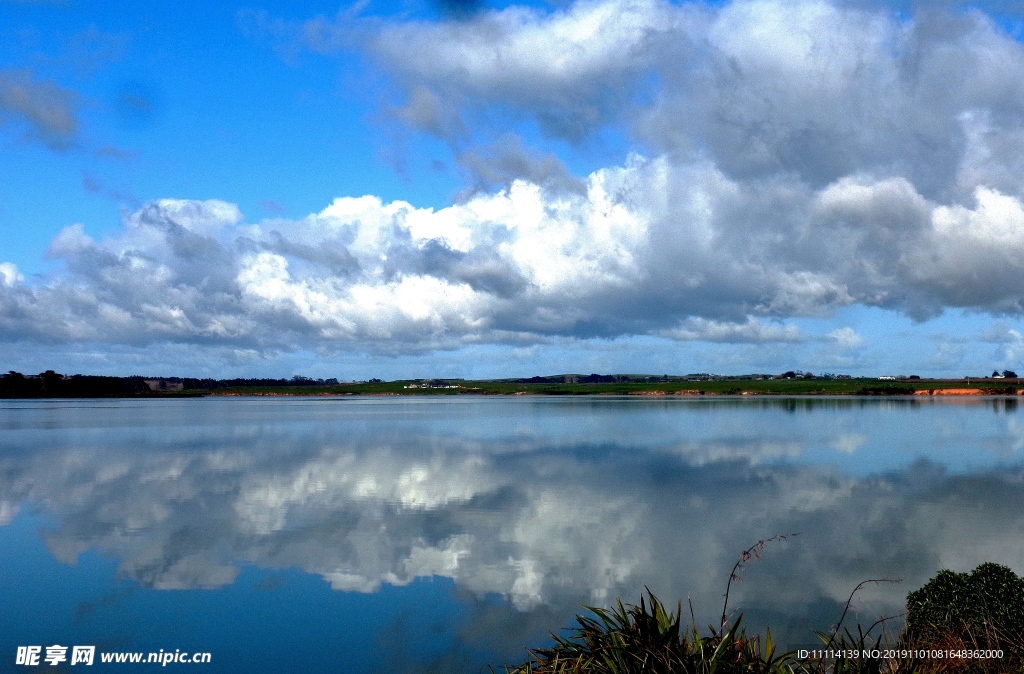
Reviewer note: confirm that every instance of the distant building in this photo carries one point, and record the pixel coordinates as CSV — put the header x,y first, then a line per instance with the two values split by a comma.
x,y
432,385
165,384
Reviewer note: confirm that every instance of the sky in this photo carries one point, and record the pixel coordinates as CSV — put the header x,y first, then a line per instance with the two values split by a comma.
x,y
462,188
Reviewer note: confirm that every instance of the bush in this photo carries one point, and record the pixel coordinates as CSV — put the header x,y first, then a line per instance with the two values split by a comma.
x,y
984,608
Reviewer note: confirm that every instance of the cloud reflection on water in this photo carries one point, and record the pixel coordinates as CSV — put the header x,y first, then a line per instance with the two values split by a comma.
x,y
549,504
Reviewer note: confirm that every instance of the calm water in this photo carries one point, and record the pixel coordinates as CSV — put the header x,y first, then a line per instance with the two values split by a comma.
x,y
441,535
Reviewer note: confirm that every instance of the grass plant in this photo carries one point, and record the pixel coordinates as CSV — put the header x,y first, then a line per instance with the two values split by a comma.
x,y
648,638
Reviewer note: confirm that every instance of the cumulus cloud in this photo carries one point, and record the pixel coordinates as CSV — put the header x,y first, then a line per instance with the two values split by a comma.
x,y
801,157
573,69
650,247
519,264
810,90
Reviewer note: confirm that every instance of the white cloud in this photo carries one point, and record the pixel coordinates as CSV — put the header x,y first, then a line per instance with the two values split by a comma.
x,y
810,90
847,339
574,66
804,157
651,247
1011,342
9,274
753,330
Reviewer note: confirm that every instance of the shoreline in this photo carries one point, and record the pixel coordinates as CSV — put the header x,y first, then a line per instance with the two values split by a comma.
x,y
941,393
639,386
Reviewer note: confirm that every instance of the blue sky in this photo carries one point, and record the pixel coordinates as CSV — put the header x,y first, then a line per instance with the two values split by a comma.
x,y
421,189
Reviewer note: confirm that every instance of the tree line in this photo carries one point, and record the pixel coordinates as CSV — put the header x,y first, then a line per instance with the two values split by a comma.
x,y
51,384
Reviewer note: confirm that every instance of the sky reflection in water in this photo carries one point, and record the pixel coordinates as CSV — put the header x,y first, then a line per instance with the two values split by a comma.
x,y
442,534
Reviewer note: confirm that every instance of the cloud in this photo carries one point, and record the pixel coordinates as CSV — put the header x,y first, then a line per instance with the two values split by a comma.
x,y
10,274
752,331
272,206
813,90
137,103
516,265
111,152
809,92
48,110
649,248
507,159
847,339
1011,342
801,157
876,155
92,184
572,67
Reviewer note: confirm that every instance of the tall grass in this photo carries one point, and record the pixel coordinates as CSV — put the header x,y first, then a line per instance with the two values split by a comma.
x,y
648,638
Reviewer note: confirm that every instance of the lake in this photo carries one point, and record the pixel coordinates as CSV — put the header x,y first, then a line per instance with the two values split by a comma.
x,y
443,534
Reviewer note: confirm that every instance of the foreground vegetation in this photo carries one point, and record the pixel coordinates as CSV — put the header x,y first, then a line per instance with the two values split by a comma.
x,y
951,622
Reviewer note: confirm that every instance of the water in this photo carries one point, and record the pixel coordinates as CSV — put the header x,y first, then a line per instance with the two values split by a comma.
x,y
445,534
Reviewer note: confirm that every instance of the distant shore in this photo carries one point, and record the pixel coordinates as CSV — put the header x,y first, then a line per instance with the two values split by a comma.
x,y
53,385
852,387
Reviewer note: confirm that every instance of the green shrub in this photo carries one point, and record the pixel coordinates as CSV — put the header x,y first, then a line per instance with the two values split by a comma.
x,y
984,607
